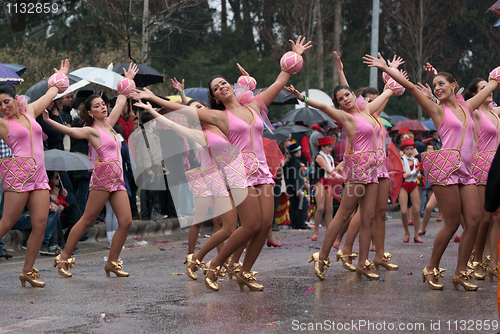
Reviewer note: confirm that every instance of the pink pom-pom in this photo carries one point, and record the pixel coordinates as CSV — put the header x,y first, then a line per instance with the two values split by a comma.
x,y
495,75
386,76
246,81
395,86
125,86
60,81
291,62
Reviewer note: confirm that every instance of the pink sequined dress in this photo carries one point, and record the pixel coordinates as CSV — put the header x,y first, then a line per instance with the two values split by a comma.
x,y
250,164
360,166
488,136
25,171
108,174
454,135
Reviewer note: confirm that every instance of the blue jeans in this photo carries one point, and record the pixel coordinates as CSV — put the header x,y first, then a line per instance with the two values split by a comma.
x,y
66,182
423,197
186,202
24,223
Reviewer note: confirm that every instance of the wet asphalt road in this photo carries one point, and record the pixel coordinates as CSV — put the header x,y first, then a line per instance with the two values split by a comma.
x,y
154,299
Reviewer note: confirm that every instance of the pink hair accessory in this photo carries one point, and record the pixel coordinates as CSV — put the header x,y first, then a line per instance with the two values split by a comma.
x,y
60,81
22,102
361,102
125,86
395,86
246,81
291,62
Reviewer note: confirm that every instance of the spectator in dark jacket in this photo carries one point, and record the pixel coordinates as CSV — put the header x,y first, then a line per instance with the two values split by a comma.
x,y
295,186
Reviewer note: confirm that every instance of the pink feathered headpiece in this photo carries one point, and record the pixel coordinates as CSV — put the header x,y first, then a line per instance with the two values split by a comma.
x,y
244,96
361,102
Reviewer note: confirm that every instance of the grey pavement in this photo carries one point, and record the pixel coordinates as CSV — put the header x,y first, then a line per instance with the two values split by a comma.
x,y
159,298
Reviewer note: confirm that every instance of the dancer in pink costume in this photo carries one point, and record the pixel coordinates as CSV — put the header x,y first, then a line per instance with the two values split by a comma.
x,y
488,134
360,173
449,170
106,182
382,258
208,184
24,179
242,124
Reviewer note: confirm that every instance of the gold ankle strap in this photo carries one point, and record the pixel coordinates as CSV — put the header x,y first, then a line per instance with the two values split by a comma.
x,y
466,275
34,273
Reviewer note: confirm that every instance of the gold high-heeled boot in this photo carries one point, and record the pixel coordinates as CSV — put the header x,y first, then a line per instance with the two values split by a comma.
x,y
464,280
248,279
212,285
477,265
362,271
385,263
197,264
234,270
319,265
115,267
341,256
437,274
31,279
64,272
493,272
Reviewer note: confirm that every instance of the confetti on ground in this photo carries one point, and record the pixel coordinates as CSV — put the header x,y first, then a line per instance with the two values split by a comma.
x,y
176,273
410,273
311,289
271,324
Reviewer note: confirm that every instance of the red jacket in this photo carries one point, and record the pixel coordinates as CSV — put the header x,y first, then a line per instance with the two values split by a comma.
x,y
128,127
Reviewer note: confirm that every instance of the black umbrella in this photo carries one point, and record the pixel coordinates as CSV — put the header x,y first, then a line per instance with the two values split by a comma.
x,y
41,87
283,97
145,77
199,93
306,115
280,134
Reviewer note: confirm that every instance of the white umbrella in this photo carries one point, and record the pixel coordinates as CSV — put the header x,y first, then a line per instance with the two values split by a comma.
x,y
100,78
72,88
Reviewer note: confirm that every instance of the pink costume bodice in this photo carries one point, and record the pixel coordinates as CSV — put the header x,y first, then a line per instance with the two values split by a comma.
x,y
451,131
248,138
108,174
488,133
380,135
217,145
19,141
361,165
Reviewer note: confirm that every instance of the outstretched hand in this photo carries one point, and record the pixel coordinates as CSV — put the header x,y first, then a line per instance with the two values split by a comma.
x,y
292,90
340,66
146,106
426,90
396,61
131,72
299,47
242,70
430,69
64,67
143,94
45,115
177,85
375,62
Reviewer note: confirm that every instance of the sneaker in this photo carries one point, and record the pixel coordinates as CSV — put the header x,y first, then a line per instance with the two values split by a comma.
x,y
45,250
84,238
155,216
23,245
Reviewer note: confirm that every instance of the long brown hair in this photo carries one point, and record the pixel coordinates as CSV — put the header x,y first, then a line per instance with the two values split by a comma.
x,y
84,109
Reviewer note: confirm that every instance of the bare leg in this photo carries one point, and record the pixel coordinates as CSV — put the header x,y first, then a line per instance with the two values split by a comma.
x,y
96,201
415,200
121,206
403,203
320,195
378,230
431,204
482,231
367,209
38,205
201,205
351,234
495,232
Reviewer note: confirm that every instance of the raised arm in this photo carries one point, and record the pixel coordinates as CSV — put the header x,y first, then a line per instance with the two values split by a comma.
x,y
37,107
209,116
180,88
378,104
85,132
121,100
435,111
340,67
272,92
338,115
479,98
192,134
